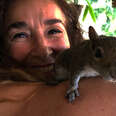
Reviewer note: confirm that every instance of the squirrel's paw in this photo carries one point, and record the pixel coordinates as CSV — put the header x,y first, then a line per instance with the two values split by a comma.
x,y
72,94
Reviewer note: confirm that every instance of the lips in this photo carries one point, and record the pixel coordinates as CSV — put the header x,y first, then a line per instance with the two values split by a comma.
x,y
43,68
41,72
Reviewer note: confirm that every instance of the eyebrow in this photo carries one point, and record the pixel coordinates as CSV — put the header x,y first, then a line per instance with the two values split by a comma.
x,y
53,21
24,25
17,25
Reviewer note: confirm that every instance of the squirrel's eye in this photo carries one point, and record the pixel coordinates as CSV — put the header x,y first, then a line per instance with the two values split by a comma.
x,y
98,53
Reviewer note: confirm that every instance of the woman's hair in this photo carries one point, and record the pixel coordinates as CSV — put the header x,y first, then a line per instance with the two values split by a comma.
x,y
71,12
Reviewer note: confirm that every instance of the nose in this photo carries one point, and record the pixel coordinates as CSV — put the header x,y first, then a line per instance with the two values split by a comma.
x,y
41,47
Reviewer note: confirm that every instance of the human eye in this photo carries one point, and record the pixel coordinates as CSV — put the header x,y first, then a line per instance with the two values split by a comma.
x,y
19,37
54,31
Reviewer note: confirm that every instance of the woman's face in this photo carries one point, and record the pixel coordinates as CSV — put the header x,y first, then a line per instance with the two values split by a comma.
x,y
36,32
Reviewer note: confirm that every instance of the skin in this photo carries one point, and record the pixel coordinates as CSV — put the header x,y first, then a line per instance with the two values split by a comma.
x,y
98,97
37,34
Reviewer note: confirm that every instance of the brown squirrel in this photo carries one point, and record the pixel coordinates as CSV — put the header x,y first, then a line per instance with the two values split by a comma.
x,y
93,57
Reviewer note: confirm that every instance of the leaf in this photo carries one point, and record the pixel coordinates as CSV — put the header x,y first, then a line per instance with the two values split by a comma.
x,y
91,11
92,14
114,13
85,12
76,1
94,0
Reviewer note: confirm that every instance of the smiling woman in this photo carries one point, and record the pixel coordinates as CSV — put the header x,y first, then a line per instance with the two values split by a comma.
x,y
35,32
40,31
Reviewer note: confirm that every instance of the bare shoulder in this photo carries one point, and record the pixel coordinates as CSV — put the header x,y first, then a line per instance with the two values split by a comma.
x,y
97,99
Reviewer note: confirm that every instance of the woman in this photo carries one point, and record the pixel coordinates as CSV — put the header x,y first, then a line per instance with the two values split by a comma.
x,y
33,32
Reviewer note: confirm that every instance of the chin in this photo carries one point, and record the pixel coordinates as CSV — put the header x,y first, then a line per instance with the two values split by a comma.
x,y
40,72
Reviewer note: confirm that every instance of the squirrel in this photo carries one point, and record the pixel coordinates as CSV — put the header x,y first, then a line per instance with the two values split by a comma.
x,y
90,58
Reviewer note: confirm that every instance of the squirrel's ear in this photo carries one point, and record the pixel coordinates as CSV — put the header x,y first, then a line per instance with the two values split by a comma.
x,y
93,34
93,38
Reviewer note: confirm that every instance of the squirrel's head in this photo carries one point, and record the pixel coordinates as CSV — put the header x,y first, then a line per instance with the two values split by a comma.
x,y
103,47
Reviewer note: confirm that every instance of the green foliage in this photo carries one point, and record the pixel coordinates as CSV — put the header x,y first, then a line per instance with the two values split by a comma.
x,y
85,12
94,0
110,17
114,14
91,11
109,12
76,1
98,11
88,9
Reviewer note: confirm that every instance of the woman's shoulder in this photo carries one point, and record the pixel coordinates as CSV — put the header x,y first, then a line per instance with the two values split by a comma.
x,y
97,98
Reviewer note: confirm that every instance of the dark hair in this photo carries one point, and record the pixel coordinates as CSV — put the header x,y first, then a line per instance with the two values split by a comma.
x,y
71,12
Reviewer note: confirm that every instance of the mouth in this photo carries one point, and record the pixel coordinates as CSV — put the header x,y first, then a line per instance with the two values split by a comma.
x,y
43,68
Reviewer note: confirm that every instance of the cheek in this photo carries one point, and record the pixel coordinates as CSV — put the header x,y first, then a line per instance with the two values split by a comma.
x,y
20,51
61,43
66,41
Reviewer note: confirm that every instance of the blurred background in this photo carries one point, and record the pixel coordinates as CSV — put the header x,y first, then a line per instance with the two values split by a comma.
x,y
101,14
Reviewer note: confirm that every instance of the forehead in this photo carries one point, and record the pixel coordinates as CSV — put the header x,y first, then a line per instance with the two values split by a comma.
x,y
26,10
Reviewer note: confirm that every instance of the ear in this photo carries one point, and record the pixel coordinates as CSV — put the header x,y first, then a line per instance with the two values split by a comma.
x,y
93,34
94,38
